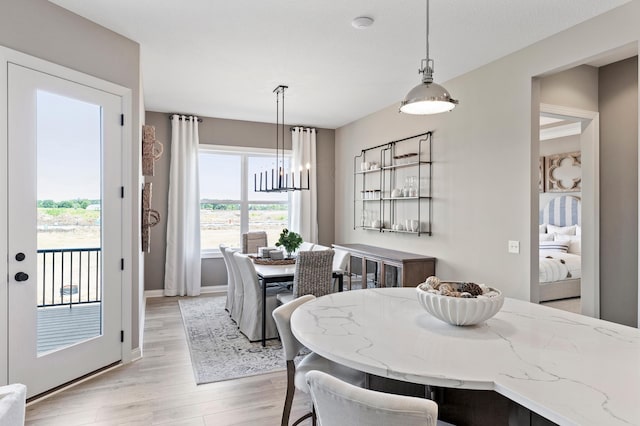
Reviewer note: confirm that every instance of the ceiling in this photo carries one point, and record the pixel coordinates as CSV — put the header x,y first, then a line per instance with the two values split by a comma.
x,y
222,58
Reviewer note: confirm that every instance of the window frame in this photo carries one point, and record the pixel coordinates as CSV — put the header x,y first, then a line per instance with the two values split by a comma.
x,y
244,153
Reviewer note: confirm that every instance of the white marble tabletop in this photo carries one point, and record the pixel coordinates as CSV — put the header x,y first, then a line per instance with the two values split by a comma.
x,y
571,369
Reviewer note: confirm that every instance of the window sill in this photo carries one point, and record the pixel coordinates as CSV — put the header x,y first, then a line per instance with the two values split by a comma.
x,y
211,254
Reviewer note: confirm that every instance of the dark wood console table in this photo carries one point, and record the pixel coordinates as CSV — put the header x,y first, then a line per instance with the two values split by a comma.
x,y
393,268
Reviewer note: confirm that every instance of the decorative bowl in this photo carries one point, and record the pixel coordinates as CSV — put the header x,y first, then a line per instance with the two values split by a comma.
x,y
459,310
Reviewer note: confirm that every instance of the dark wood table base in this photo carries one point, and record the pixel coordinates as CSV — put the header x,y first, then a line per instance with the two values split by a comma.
x,y
463,407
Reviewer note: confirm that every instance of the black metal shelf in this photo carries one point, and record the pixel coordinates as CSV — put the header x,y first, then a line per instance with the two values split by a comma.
x,y
390,158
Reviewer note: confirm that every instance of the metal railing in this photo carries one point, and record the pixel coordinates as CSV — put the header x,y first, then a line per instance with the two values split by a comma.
x,y
69,276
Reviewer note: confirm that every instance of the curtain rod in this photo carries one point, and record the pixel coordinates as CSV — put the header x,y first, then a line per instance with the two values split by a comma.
x,y
180,118
304,129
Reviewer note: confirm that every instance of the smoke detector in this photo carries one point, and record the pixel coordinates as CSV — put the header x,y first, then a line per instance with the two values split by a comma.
x,y
362,22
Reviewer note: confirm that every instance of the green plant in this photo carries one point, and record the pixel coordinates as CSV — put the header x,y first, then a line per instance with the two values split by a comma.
x,y
289,240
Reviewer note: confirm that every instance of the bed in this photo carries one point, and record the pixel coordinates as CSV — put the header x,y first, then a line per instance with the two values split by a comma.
x,y
560,249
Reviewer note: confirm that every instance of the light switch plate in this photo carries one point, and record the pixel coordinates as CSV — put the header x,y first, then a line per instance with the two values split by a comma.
x,y
514,247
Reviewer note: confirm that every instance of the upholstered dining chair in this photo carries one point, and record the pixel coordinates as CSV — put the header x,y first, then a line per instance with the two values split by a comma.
x,y
231,287
341,261
339,403
296,375
238,288
252,240
313,275
251,319
12,404
305,246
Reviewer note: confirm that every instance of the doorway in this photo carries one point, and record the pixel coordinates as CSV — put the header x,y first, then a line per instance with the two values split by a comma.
x,y
65,229
569,210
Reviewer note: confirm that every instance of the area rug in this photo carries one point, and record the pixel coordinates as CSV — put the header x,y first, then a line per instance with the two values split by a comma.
x,y
218,350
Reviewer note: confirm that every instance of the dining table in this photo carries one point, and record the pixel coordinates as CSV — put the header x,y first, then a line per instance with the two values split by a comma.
x,y
566,368
278,273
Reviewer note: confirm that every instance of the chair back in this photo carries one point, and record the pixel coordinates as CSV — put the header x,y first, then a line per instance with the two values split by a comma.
x,y
238,288
282,316
313,273
341,260
252,240
230,279
12,404
305,246
340,403
248,275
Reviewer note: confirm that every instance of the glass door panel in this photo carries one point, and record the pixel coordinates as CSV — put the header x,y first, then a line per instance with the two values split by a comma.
x,y
68,182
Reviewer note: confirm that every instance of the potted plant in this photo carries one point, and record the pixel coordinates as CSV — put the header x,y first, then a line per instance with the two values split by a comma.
x,y
289,240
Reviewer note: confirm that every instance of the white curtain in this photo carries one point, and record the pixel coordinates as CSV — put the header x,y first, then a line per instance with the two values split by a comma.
x,y
304,204
182,266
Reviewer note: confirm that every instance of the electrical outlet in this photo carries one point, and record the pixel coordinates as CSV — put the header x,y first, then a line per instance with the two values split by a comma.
x,y
514,247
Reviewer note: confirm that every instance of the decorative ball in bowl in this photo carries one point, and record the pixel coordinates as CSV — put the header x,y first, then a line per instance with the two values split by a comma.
x,y
457,302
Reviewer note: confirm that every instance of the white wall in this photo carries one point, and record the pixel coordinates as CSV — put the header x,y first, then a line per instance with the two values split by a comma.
x,y
485,172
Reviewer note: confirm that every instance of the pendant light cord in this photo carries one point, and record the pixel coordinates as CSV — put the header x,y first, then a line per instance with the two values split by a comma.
x,y
427,32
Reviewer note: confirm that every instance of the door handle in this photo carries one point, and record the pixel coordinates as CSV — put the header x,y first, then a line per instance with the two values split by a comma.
x,y
21,276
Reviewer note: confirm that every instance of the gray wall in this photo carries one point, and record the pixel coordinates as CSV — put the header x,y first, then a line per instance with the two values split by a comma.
x,y
217,131
576,87
44,30
485,172
618,92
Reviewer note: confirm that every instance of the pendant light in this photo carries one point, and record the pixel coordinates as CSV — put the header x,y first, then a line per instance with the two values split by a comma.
x,y
427,97
280,180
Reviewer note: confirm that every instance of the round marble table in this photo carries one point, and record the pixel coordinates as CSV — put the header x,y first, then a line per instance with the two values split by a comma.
x,y
568,368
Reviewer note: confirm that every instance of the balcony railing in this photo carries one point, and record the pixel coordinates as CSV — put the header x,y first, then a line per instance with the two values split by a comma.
x,y
69,276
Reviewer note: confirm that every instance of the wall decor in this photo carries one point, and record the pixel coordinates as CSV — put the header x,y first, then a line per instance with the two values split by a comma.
x,y
150,217
151,150
563,172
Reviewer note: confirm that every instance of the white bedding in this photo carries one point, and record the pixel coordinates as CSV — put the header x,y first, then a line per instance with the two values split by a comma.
x,y
552,269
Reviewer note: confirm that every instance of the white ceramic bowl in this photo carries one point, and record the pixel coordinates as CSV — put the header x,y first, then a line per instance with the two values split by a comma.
x,y
458,310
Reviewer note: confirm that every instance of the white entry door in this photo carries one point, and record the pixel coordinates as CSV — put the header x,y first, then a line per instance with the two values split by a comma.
x,y
64,229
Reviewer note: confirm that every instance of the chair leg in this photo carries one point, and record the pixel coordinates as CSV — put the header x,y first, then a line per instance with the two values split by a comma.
x,y
313,415
288,400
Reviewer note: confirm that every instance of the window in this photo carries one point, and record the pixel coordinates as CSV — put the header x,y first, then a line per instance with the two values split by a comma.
x,y
229,206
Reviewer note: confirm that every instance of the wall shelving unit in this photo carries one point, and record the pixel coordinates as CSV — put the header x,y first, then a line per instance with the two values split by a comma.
x,y
392,186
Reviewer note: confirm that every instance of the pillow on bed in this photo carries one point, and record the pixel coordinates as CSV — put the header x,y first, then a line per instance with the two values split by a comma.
x,y
578,230
543,228
554,246
563,230
546,237
573,241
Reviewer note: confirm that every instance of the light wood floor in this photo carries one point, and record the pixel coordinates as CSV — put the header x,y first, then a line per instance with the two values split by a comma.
x,y
160,388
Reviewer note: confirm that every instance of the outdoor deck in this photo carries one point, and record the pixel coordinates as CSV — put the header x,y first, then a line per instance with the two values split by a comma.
x,y
60,326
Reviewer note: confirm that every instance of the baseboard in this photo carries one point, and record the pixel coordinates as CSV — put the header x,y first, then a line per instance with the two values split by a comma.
x,y
135,355
210,289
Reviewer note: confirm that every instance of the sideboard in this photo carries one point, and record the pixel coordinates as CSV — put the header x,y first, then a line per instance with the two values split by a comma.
x,y
386,267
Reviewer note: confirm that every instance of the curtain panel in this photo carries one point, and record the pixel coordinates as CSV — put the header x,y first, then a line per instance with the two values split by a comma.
x,y
304,208
182,265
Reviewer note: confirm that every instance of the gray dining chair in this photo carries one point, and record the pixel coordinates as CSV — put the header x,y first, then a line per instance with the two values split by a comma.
x,y
312,361
340,403
313,275
251,320
251,241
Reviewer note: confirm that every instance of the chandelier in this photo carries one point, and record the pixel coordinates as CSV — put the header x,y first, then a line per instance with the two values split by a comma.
x,y
280,180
